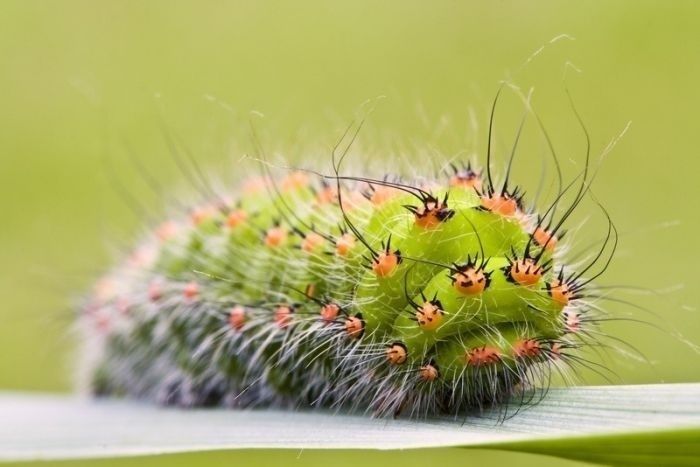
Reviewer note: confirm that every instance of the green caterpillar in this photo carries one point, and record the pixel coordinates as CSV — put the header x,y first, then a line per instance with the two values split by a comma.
x,y
421,297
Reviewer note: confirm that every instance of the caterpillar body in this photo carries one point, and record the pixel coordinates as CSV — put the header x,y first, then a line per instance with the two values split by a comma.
x,y
419,297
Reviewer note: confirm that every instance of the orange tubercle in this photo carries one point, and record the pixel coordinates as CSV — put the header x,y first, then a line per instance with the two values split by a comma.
x,y
525,271
544,237
295,181
385,264
354,327
236,218
555,351
236,317
202,214
526,348
428,372
344,244
431,214
429,316
572,321
311,242
275,236
500,204
382,194
481,356
329,312
559,291
470,281
283,316
428,221
467,180
191,290
396,353
328,194
155,291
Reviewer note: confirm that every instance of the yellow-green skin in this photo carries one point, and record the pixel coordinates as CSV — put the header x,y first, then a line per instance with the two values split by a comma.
x,y
502,304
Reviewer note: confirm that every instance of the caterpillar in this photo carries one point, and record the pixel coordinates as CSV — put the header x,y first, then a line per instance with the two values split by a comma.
x,y
387,295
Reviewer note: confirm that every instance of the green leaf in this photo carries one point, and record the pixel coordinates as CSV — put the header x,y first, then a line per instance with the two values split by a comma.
x,y
613,425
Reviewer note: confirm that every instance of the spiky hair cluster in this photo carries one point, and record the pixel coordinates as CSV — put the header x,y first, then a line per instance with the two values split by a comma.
x,y
379,294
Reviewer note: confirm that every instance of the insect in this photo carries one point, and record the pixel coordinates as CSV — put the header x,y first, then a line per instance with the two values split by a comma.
x,y
420,297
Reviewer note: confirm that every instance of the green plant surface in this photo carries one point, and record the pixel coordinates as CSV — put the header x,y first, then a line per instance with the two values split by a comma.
x,y
615,425
448,457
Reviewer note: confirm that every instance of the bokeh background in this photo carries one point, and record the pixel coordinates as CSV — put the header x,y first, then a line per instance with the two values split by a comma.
x,y
84,83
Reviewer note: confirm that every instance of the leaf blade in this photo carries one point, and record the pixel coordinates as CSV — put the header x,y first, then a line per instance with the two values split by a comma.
x,y
647,421
668,448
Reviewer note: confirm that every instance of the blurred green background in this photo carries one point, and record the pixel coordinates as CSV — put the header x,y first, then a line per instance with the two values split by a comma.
x,y
81,81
